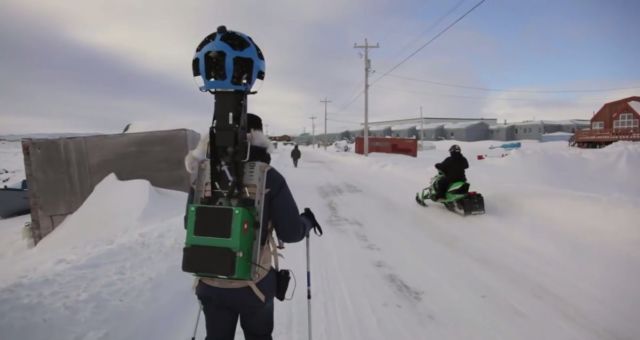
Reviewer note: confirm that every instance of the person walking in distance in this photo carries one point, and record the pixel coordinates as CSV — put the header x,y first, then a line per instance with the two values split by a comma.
x,y
295,155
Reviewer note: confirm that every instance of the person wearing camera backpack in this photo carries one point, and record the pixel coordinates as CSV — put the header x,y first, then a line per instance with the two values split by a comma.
x,y
225,301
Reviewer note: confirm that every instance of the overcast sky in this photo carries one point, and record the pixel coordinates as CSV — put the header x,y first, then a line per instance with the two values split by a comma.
x,y
94,66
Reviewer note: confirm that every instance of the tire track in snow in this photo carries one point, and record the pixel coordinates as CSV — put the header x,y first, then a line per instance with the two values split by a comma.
x,y
331,191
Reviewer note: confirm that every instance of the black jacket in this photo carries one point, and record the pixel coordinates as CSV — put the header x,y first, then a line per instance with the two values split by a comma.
x,y
453,167
295,153
280,207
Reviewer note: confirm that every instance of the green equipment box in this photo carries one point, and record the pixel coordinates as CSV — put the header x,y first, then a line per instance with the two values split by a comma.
x,y
219,242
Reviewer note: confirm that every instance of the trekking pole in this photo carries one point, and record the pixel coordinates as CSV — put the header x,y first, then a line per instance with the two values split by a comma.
x,y
318,231
308,290
195,329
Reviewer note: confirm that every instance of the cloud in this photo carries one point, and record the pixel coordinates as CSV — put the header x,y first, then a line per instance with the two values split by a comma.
x,y
118,61
55,82
557,107
75,64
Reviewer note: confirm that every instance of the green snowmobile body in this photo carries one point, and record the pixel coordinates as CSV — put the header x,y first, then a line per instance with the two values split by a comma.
x,y
455,191
457,197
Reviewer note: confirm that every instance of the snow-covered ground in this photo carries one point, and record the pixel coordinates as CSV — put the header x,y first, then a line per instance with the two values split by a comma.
x,y
556,256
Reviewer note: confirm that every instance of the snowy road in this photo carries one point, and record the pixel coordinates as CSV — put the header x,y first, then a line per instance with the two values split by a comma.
x,y
555,257
388,268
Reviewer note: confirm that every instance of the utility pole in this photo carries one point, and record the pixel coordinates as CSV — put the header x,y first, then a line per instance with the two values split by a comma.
x,y
421,125
313,130
367,69
325,101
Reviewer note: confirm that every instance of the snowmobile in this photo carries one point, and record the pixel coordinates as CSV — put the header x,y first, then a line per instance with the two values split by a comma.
x,y
457,199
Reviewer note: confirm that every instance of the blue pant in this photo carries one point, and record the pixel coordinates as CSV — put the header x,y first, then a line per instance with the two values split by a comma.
x,y
223,306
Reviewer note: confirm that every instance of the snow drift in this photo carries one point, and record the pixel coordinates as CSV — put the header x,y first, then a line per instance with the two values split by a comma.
x,y
556,256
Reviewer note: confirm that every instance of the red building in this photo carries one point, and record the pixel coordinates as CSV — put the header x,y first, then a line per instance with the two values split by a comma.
x,y
615,121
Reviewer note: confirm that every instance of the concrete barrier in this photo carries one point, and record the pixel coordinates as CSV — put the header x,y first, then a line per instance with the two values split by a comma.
x,y
403,146
61,173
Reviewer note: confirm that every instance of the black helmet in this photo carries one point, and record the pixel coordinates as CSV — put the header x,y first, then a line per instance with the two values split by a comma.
x,y
455,148
254,122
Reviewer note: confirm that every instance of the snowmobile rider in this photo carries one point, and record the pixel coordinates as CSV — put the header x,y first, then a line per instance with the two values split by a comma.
x,y
452,169
225,301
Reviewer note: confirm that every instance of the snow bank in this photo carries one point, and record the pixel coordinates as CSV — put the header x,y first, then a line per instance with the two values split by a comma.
x,y
96,275
555,257
556,136
114,209
599,172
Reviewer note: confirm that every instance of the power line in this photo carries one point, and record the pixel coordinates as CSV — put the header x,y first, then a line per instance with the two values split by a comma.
x,y
429,42
434,25
356,93
350,102
344,107
344,121
459,96
444,94
389,25
514,91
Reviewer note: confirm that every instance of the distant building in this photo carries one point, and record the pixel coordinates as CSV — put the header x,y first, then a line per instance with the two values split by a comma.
x,y
433,131
283,138
467,131
615,121
304,139
502,132
536,130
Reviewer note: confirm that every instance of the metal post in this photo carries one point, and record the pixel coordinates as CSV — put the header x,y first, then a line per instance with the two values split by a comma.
x,y
421,125
313,131
367,69
195,329
308,289
325,101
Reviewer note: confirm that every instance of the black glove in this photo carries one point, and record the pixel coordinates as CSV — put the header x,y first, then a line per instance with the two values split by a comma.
x,y
314,223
